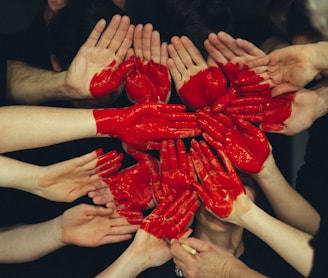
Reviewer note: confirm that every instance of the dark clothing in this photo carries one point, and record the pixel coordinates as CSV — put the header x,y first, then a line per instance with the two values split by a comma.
x,y
312,183
3,69
320,246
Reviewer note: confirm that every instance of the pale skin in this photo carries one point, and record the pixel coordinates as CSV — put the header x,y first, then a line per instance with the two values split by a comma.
x,y
83,225
289,206
308,105
185,60
28,85
213,261
46,126
291,68
62,182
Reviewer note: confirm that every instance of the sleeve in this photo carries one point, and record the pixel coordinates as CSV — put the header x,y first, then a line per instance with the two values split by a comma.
x,y
320,246
3,69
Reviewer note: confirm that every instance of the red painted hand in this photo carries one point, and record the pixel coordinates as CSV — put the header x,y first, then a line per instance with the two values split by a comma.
x,y
109,79
171,218
246,145
177,170
270,112
132,187
148,81
146,125
220,183
202,89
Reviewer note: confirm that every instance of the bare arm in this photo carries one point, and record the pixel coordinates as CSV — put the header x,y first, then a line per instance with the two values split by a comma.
x,y
83,225
288,205
24,127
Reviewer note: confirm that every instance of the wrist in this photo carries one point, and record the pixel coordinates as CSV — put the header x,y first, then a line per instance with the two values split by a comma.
x,y
107,121
57,232
320,56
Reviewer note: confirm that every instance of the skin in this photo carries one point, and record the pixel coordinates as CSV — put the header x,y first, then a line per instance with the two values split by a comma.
x,y
62,182
82,225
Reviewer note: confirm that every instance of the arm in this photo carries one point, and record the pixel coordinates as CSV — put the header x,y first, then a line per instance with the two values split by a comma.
x,y
29,85
65,181
142,125
290,243
288,205
83,225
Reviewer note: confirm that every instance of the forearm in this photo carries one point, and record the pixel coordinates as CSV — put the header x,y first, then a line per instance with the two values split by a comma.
x,y
239,269
128,265
18,175
24,127
291,244
320,56
28,242
30,85
288,205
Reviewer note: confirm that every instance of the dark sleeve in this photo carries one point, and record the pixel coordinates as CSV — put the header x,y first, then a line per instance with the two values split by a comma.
x,y
312,177
320,246
3,69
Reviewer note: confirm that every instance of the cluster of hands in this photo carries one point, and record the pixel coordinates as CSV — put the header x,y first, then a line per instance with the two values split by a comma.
x,y
232,106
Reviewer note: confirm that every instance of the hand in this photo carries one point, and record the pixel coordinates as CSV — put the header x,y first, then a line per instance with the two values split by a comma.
x,y
270,113
97,69
209,261
177,170
287,69
91,226
131,188
145,251
246,145
232,55
223,49
171,218
220,183
66,181
197,84
145,125
150,79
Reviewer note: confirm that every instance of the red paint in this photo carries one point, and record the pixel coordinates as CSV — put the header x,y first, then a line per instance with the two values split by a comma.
x,y
132,216
132,187
171,218
145,125
220,183
148,81
202,89
245,144
109,79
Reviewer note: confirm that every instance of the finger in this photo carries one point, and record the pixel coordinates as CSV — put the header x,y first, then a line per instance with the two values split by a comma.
x,y
218,50
164,54
230,47
120,34
95,34
146,42
122,51
213,51
109,32
193,51
250,48
137,41
178,66
155,47
183,54
183,163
